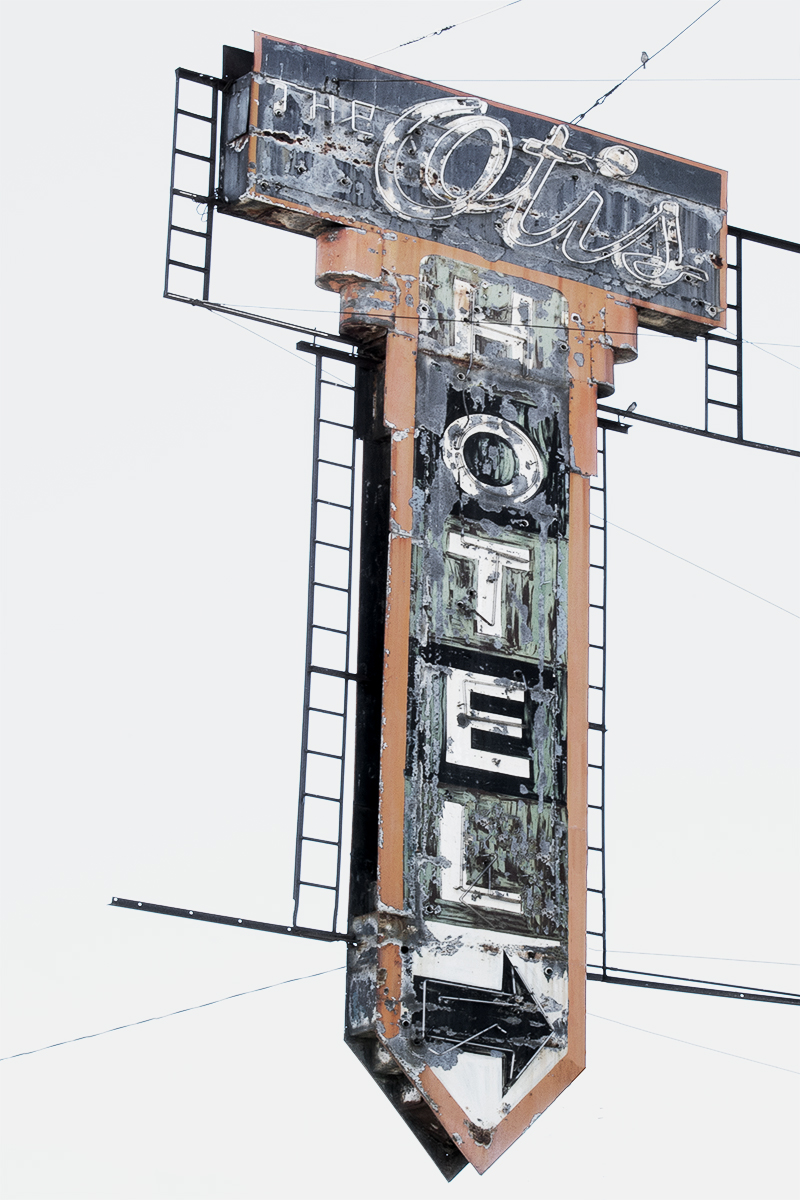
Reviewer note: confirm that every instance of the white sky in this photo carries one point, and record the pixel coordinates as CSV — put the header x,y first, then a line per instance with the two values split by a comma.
x,y
156,478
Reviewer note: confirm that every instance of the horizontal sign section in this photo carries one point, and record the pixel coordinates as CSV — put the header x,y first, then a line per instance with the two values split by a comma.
x,y
349,142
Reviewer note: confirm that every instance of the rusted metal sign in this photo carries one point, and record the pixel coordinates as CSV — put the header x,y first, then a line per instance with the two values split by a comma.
x,y
310,137
495,265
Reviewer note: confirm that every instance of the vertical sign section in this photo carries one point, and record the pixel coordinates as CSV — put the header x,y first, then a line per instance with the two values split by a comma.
x,y
477,1015
329,700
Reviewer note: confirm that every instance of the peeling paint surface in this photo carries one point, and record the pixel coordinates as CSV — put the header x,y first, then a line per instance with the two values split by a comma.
x,y
480,946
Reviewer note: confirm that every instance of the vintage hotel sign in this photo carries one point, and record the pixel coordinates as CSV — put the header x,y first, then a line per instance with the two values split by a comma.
x,y
497,263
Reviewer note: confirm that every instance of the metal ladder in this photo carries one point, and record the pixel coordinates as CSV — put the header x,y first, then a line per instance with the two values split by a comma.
x,y
188,121
596,865
330,676
713,339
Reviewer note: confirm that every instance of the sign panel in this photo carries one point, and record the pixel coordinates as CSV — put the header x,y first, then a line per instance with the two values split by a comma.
x,y
311,137
482,1004
494,264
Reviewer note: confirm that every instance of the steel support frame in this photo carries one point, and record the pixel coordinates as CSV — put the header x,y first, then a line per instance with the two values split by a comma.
x,y
605,973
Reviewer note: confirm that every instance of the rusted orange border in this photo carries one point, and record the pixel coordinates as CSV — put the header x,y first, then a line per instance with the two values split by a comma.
x,y
454,252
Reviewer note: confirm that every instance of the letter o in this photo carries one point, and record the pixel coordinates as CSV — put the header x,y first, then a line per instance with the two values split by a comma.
x,y
491,457
454,119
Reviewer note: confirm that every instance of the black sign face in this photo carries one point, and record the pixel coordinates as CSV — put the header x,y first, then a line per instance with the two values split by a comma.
x,y
356,144
486,753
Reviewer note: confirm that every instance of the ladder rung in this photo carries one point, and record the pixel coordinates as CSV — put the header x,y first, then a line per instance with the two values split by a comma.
x,y
192,196
325,753
724,370
340,424
329,887
184,112
174,262
334,587
329,628
193,232
188,154
333,672
321,841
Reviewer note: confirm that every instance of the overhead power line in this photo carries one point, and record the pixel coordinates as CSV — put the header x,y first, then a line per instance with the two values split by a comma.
x,y
332,970
699,568
765,962
760,347
646,58
658,79
303,358
446,28
697,1045
177,1013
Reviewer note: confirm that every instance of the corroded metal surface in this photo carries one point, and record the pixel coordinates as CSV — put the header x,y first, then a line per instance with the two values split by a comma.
x,y
482,930
459,989
310,139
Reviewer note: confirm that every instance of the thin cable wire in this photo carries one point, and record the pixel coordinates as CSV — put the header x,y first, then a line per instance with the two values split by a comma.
x,y
301,358
602,99
699,568
771,354
697,1045
676,79
446,28
765,962
640,333
177,1013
